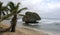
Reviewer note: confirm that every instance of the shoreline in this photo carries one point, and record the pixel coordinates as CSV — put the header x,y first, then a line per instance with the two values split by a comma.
x,y
41,30
24,31
46,27
49,32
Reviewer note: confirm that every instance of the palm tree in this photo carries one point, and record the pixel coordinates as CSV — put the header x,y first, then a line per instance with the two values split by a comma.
x,y
0,9
3,9
14,8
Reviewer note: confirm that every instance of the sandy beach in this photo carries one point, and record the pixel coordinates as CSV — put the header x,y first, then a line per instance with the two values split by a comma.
x,y
22,31
45,28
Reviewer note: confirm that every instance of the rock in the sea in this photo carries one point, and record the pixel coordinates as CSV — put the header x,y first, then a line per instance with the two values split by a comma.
x,y
31,17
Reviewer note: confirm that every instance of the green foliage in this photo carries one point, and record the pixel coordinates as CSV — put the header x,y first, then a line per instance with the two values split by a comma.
x,y
3,10
31,17
12,8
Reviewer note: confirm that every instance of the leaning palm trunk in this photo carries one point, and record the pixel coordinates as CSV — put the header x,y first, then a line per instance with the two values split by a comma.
x,y
0,15
13,23
0,12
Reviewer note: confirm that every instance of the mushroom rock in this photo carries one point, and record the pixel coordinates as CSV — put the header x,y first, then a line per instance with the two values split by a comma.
x,y
31,17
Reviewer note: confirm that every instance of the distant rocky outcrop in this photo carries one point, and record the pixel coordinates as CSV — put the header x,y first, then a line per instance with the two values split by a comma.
x,y
31,17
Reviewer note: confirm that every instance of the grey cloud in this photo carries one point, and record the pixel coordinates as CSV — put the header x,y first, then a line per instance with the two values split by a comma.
x,y
41,8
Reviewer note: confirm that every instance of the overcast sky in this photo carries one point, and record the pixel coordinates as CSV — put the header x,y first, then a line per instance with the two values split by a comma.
x,y
45,8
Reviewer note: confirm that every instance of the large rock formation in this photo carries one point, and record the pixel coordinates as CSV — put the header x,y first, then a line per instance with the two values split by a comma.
x,y
31,17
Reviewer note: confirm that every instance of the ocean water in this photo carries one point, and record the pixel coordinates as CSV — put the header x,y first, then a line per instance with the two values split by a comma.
x,y
50,21
51,25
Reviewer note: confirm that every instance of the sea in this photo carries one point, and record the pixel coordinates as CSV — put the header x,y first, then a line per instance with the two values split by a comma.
x,y
46,24
51,25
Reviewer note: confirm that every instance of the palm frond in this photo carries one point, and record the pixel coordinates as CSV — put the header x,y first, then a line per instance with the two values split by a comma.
x,y
22,9
1,3
17,6
11,5
21,15
4,10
